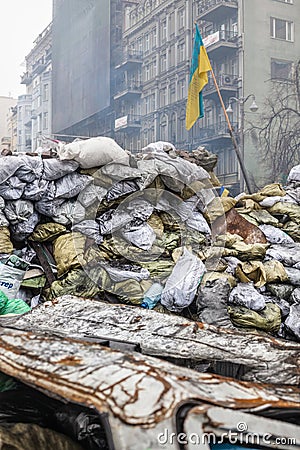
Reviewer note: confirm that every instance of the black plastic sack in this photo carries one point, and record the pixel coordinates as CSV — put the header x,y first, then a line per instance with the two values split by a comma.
x,y
25,405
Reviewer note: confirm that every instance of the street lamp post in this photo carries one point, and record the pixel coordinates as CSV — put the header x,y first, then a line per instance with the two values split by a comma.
x,y
241,115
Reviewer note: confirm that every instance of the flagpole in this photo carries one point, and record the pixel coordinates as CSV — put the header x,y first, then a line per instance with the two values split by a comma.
x,y
236,147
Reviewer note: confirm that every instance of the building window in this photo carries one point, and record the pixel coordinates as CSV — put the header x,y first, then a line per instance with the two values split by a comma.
x,y
164,30
281,70
181,17
46,92
172,25
45,121
181,89
282,29
163,96
154,38
172,93
147,42
181,51
20,113
147,71
163,62
172,56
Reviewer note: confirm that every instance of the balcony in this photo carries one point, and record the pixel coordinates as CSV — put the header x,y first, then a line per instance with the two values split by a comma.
x,y
216,10
228,85
129,123
216,132
26,78
38,68
130,60
221,43
128,91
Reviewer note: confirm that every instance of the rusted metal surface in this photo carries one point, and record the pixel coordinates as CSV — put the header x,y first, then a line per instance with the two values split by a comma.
x,y
137,389
267,359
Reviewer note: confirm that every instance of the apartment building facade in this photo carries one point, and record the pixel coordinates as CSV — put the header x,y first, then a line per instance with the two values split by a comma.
x,y
38,82
6,103
251,45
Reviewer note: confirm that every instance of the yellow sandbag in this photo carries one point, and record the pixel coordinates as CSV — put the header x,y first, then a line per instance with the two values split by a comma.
x,y
264,217
293,230
156,224
47,232
212,276
218,207
5,242
290,209
273,190
77,282
191,189
275,271
68,251
269,319
247,252
252,271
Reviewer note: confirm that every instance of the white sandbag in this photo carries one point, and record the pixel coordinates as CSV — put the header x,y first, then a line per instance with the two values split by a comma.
x,y
71,185
93,152
293,275
55,169
245,294
71,211
141,235
89,228
159,146
36,189
48,204
112,220
22,230
287,254
8,166
292,322
126,272
182,284
275,235
12,188
294,174
140,209
18,211
30,169
91,194
119,172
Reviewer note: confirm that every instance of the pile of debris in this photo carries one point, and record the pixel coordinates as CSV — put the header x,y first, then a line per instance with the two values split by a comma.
x,y
150,230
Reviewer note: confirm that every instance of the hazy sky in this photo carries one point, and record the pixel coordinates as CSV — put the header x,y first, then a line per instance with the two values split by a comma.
x,y
21,21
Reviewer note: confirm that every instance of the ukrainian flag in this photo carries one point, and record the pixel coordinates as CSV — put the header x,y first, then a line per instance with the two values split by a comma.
x,y
198,79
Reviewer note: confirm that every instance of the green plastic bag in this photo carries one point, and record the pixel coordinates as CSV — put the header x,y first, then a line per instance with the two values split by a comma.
x,y
12,306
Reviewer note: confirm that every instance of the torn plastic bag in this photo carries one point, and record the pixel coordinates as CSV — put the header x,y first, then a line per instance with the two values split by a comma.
x,y
11,305
31,168
93,152
120,189
275,235
293,275
139,234
292,322
28,406
22,230
287,254
140,209
10,280
36,190
245,294
69,212
91,194
181,286
18,211
113,220
55,169
125,272
212,303
9,165
12,188
68,251
89,228
268,319
23,436
6,245
47,232
71,185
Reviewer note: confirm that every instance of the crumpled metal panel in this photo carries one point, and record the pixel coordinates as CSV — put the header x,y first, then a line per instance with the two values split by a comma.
x,y
268,360
137,389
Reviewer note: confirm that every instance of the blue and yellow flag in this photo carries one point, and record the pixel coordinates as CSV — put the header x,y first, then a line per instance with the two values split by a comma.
x,y
198,79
